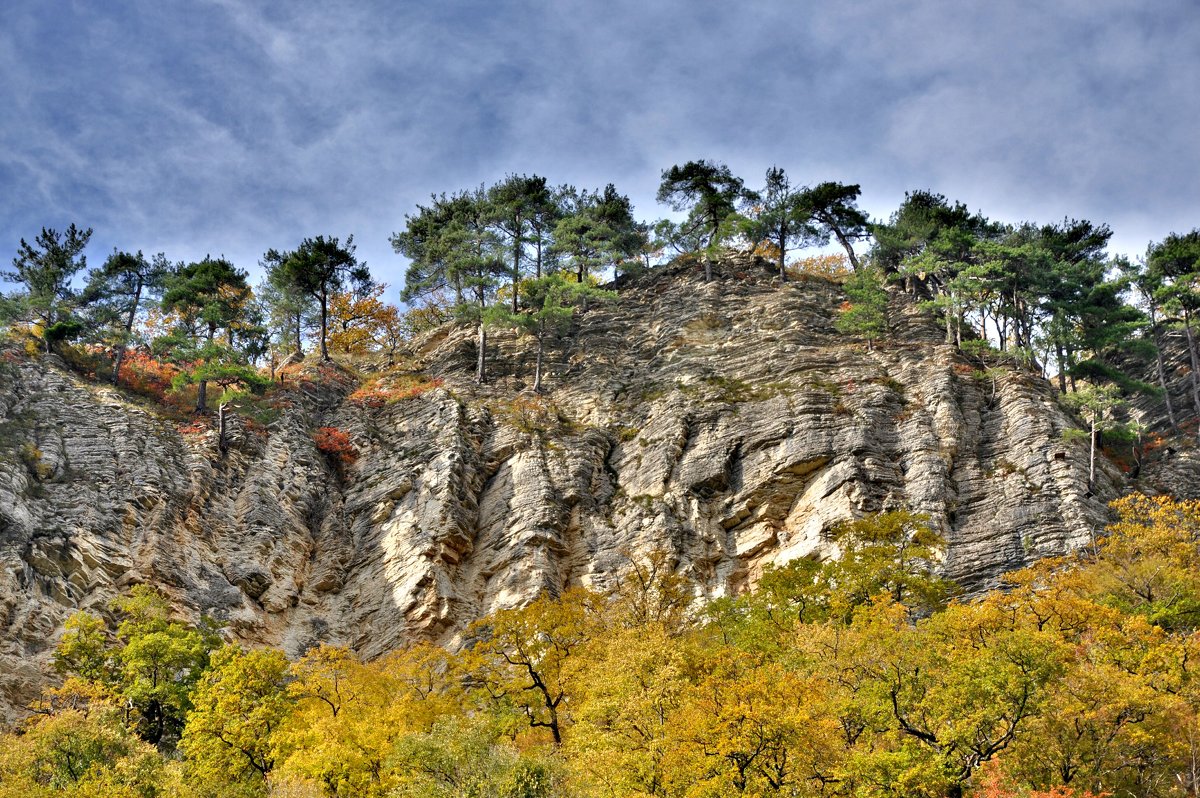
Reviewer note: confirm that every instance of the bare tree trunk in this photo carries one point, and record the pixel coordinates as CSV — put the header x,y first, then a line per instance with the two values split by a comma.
x,y
222,439
324,324
1162,375
1092,455
537,369
480,373
1187,327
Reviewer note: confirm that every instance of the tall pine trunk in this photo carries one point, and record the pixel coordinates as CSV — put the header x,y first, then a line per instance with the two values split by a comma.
x,y
299,342
516,277
202,386
480,362
324,323
119,356
537,369
845,242
1191,341
480,374
1162,372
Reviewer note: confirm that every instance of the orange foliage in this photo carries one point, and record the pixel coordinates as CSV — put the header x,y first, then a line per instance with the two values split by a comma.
x,y
358,322
993,784
833,265
767,249
194,428
434,313
336,444
143,374
380,393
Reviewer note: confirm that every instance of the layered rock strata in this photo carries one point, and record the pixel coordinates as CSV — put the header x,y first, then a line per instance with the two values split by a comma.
x,y
725,422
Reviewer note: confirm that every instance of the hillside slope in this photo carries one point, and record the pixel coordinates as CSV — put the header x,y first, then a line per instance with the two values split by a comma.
x,y
725,422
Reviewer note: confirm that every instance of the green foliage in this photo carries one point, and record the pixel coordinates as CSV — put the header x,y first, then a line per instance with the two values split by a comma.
x,y
597,230
831,210
45,268
315,270
776,217
710,194
203,298
150,664
864,313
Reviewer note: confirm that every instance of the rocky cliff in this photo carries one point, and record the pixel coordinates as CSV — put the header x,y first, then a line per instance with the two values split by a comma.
x,y
725,422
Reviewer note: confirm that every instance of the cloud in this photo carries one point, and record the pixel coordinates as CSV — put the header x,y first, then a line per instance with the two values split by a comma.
x,y
230,127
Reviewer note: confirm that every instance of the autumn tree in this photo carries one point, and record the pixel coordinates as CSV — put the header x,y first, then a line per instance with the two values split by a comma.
x,y
527,657
240,703
356,318
78,753
45,268
895,552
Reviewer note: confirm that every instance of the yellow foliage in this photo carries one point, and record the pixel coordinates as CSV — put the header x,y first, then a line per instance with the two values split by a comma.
x,y
832,265
1078,678
363,323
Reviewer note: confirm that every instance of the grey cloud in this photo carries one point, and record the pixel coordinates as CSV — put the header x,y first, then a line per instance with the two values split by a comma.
x,y
232,127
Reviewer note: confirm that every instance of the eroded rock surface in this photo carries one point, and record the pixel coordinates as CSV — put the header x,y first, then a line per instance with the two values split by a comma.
x,y
726,422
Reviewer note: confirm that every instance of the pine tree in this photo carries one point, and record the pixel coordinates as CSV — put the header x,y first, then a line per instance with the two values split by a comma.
x,y
116,292
45,268
864,313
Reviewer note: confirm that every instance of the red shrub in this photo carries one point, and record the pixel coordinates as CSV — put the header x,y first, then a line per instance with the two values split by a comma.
x,y
145,375
336,444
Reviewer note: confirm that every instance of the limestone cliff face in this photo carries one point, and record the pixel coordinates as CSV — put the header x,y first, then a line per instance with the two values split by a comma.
x,y
726,422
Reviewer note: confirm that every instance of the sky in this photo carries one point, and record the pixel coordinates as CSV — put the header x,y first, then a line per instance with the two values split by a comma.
x,y
197,127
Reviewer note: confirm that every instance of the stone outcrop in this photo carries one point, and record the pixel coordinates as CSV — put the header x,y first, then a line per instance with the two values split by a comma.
x,y
725,422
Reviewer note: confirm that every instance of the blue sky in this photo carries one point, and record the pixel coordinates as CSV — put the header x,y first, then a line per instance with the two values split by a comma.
x,y
225,127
